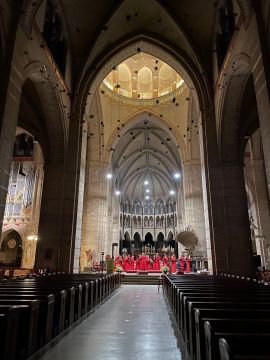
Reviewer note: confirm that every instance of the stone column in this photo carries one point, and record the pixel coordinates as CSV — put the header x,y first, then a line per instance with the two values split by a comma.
x,y
262,209
194,211
49,251
225,205
256,183
263,105
237,252
95,219
113,221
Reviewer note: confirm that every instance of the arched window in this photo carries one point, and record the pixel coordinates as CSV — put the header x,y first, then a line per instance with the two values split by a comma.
x,y
165,80
124,80
144,83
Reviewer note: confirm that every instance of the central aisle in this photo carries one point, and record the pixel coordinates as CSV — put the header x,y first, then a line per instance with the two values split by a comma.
x,y
133,324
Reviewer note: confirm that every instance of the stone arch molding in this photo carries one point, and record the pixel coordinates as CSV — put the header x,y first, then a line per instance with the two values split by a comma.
x,y
8,231
144,45
56,122
149,232
234,86
137,232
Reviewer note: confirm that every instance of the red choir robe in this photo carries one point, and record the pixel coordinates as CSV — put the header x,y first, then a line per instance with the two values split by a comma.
x,y
156,265
126,264
138,263
165,260
187,264
173,264
143,263
147,263
182,263
131,263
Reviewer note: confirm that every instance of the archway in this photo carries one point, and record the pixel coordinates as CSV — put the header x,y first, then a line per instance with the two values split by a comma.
x,y
149,246
130,127
160,242
137,244
125,244
11,249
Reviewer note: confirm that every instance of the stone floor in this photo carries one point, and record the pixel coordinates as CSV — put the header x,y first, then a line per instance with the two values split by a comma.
x,y
133,324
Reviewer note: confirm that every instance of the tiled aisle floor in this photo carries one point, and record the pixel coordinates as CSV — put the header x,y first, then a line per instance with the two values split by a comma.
x,y
133,324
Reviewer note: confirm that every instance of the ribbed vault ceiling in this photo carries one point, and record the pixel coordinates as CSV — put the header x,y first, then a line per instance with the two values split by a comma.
x,y
146,152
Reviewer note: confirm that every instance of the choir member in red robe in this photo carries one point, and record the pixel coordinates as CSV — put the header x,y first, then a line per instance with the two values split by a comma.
x,y
131,262
143,262
147,263
187,264
156,263
182,263
126,264
173,264
165,260
138,263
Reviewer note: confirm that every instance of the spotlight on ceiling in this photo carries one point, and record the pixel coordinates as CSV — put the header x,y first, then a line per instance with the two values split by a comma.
x,y
146,182
109,176
147,190
171,192
176,175
147,197
117,192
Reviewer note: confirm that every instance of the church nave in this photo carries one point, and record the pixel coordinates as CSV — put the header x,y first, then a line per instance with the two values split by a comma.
x,y
133,324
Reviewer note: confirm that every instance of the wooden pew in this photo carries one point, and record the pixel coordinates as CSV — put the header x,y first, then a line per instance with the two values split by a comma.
x,y
218,310
259,339
9,323
243,350
212,291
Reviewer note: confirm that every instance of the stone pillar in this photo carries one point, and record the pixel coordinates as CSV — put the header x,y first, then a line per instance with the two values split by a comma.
x,y
95,219
236,253
262,209
194,211
256,183
263,105
225,204
48,246
113,221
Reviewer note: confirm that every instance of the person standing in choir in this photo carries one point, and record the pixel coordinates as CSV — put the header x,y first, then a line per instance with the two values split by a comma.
x,y
157,262
138,263
173,263
187,263
147,263
126,265
182,264
131,263
143,262
165,260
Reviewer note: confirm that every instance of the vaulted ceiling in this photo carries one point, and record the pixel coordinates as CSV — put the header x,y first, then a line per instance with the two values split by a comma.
x,y
96,26
146,152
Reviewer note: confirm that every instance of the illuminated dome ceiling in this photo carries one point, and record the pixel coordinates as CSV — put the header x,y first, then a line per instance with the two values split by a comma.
x,y
146,152
143,76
